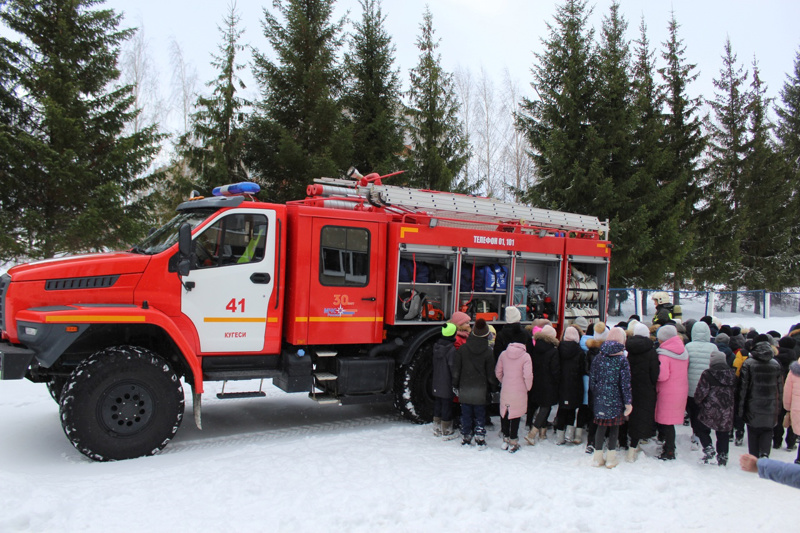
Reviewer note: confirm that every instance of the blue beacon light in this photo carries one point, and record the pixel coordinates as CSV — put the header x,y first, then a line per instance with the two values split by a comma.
x,y
235,189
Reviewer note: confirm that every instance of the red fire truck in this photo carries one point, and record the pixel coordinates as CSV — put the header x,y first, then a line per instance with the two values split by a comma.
x,y
340,296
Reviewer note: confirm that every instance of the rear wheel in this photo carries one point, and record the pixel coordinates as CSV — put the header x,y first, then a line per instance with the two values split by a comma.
x,y
121,403
415,387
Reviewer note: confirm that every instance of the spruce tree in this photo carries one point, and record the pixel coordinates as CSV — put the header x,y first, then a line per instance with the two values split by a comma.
x,y
650,159
788,127
614,119
721,218
212,149
788,134
82,179
438,144
768,255
684,144
372,94
296,133
564,142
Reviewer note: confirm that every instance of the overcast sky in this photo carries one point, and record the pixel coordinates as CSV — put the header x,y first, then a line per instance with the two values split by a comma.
x,y
498,34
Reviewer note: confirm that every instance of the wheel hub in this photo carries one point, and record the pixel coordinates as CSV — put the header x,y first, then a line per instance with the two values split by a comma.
x,y
127,408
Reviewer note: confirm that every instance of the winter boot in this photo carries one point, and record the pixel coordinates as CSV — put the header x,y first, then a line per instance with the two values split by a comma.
x,y
466,440
543,433
722,459
597,458
578,436
532,435
505,444
447,428
611,459
569,434
739,439
589,448
480,441
513,446
667,456
561,438
633,453
708,455
437,426
695,443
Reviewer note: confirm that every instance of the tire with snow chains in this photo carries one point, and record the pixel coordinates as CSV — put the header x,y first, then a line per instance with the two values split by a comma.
x,y
122,402
414,390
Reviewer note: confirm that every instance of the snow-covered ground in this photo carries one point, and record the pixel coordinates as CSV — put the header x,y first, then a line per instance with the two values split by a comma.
x,y
283,463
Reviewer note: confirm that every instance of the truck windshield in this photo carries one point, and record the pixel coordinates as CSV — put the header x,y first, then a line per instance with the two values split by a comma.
x,y
167,235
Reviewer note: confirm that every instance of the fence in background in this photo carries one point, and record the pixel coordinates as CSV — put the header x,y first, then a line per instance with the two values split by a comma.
x,y
728,305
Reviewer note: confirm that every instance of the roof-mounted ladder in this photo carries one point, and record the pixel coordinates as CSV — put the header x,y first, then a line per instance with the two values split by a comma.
x,y
444,204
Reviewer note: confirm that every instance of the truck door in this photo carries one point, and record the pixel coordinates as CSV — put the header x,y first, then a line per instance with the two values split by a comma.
x,y
345,304
233,282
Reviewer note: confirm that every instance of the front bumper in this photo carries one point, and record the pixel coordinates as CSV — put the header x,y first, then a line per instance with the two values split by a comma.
x,y
14,361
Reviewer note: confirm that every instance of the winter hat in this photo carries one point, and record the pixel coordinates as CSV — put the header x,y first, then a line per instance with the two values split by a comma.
x,y
600,331
666,332
617,335
571,334
735,330
634,317
752,334
481,328
774,334
512,314
723,339
640,330
582,323
787,342
459,318
726,329
549,331
762,337
707,319
718,358
449,329
623,325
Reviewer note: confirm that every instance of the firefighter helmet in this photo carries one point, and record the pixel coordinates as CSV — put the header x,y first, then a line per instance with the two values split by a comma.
x,y
660,297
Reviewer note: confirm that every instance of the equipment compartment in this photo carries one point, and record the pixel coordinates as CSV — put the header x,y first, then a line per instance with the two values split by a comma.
x,y
425,285
536,286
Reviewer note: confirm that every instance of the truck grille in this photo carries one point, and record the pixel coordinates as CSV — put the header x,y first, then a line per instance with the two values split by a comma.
x,y
5,279
94,282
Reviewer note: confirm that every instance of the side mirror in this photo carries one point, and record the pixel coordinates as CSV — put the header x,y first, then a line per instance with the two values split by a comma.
x,y
184,249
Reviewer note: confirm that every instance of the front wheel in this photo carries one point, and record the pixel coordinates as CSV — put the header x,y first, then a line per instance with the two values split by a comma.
x,y
414,390
121,403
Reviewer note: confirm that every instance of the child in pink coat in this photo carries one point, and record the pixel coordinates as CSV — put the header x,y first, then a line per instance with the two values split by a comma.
x,y
672,388
514,370
791,400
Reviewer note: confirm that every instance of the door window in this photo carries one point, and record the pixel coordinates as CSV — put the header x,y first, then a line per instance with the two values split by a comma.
x,y
234,239
344,256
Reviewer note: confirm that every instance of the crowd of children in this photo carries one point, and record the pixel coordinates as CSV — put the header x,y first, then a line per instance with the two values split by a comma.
x,y
623,385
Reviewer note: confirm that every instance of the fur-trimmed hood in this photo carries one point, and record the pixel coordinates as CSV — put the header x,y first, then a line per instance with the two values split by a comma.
x,y
794,368
542,336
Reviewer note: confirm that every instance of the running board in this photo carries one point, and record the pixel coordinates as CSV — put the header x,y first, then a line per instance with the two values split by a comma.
x,y
234,395
323,399
245,394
